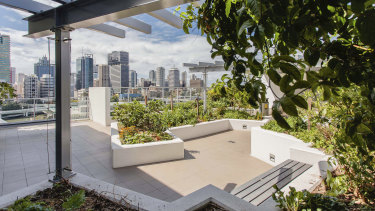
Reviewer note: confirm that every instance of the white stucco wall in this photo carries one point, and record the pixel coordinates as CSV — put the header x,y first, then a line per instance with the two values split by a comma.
x,y
282,146
100,105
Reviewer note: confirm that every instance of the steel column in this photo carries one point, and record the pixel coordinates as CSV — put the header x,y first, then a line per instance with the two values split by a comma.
x,y
63,136
205,91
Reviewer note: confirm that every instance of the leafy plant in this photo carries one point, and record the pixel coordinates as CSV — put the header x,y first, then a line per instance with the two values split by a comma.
x,y
304,200
27,205
75,201
338,185
6,92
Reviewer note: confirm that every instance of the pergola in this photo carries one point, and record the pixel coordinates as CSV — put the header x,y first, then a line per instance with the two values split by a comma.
x,y
92,15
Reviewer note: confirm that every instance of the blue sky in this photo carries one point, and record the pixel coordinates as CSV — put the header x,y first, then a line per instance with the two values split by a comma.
x,y
166,46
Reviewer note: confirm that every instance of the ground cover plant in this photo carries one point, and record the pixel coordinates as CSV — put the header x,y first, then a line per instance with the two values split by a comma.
x,y
142,124
65,196
337,52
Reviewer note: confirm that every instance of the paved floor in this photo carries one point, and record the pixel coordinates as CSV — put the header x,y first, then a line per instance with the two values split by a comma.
x,y
222,160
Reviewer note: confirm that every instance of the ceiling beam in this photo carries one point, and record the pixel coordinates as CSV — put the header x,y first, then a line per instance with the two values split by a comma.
x,y
135,24
84,13
36,7
26,6
167,17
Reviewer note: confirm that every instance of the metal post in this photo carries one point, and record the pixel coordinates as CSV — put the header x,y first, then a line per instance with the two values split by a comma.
x,y
190,93
34,109
63,139
162,94
178,95
128,94
205,91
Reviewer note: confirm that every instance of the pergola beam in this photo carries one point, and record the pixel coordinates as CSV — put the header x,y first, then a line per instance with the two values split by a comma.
x,y
135,24
85,13
167,17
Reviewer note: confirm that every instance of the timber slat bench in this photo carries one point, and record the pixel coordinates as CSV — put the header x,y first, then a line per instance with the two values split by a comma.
x,y
260,188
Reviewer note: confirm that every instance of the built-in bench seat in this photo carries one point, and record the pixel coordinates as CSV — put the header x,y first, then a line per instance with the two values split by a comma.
x,y
261,188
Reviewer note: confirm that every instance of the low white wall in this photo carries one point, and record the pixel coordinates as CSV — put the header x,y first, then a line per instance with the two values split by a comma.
x,y
282,146
187,132
243,124
136,154
100,105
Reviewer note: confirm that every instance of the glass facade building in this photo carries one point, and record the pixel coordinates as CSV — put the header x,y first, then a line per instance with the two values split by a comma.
x,y
44,67
5,70
85,72
118,62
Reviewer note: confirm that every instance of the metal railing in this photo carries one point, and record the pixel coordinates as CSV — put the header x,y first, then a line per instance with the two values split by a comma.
x,y
38,109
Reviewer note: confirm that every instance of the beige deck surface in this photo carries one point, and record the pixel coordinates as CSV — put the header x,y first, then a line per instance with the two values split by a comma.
x,y
222,160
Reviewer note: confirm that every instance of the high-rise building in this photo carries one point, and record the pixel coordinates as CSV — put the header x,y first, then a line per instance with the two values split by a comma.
x,y
95,72
196,82
73,78
152,76
12,75
104,76
183,81
5,70
85,72
174,77
31,87
144,82
19,85
43,66
47,86
118,62
133,78
160,76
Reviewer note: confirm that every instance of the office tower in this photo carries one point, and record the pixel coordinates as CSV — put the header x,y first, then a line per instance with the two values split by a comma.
x,y
19,85
12,75
196,82
174,77
43,66
104,76
5,58
183,79
152,76
95,72
31,87
47,86
118,62
160,76
144,82
73,78
85,72
133,78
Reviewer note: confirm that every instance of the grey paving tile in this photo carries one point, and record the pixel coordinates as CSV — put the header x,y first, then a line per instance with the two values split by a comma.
x,y
11,187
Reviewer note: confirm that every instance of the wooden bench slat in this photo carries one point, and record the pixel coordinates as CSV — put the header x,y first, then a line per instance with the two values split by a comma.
x,y
261,186
258,178
268,193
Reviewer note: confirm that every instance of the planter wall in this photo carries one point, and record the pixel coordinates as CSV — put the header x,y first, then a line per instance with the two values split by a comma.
x,y
266,143
137,154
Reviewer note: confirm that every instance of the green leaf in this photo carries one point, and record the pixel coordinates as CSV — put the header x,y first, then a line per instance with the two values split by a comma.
x,y
274,76
244,26
326,93
300,101
288,106
279,119
286,58
365,26
290,70
75,201
362,128
228,5
311,56
284,83
301,85
185,28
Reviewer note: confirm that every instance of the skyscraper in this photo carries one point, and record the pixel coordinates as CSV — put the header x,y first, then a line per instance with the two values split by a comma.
x,y
19,85
85,72
133,78
118,62
12,75
5,70
31,87
73,79
104,76
184,79
43,66
47,86
152,76
160,76
174,77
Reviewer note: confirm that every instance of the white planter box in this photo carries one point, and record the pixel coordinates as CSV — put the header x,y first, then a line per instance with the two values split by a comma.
x,y
282,147
136,154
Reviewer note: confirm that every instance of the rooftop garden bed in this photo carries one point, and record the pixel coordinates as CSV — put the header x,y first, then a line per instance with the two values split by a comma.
x,y
138,123
65,196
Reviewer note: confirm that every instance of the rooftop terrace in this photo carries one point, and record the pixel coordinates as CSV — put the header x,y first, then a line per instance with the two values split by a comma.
x,y
222,160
